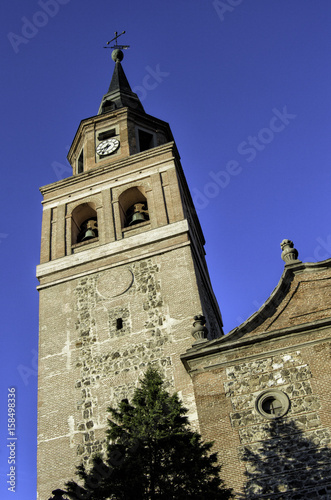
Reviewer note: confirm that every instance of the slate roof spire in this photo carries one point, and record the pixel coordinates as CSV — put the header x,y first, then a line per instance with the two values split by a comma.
x,y
119,94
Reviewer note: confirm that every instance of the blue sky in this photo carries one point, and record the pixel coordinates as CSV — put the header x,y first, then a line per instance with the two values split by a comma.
x,y
245,86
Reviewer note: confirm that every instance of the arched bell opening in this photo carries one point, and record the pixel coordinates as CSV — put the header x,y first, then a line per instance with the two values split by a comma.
x,y
84,224
133,207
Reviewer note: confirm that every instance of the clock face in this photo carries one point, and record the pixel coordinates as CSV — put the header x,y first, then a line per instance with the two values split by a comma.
x,y
108,146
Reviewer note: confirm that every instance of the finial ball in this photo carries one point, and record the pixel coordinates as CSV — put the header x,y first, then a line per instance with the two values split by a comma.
x,y
117,55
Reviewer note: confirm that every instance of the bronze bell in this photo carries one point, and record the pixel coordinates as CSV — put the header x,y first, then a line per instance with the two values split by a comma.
x,y
89,234
137,217
138,214
89,230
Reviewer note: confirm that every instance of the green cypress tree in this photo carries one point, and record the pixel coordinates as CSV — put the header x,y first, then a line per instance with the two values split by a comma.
x,y
151,454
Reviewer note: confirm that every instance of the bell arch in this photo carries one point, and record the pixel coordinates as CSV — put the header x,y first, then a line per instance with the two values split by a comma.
x,y
84,223
133,206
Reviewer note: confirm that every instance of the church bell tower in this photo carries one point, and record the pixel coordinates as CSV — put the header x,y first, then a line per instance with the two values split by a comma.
x,y
122,274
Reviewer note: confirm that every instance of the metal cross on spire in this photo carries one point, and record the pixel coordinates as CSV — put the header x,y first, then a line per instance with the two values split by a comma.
x,y
116,46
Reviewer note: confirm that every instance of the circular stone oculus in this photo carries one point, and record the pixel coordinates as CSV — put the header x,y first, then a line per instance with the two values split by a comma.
x,y
272,404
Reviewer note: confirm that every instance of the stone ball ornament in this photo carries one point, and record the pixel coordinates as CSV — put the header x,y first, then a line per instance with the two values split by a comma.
x,y
117,55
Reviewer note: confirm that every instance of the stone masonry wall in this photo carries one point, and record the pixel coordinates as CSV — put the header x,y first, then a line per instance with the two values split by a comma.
x,y
98,334
281,455
123,359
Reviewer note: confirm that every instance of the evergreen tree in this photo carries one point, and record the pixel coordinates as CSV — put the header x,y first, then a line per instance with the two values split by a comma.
x,y
151,454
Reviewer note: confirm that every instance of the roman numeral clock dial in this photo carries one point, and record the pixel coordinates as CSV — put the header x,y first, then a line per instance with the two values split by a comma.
x,y
108,147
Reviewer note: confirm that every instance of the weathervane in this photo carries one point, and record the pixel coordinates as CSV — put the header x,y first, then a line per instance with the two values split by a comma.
x,y
116,46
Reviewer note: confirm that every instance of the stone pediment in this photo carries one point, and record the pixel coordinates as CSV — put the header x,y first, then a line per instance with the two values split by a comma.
x,y
301,300
303,295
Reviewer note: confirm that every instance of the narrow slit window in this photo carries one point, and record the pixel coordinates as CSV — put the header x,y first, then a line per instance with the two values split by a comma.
x,y
80,163
119,324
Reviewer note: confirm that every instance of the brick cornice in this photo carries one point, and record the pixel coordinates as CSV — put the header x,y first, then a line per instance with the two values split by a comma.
x,y
222,345
153,153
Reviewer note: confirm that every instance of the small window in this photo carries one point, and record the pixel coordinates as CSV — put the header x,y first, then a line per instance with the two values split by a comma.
x,y
107,106
272,404
119,324
80,163
106,135
146,140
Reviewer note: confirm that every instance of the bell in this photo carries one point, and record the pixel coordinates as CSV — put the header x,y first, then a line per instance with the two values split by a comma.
x,y
137,217
89,234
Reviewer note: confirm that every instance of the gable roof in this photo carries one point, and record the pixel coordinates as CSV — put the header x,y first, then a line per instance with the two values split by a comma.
x,y
300,301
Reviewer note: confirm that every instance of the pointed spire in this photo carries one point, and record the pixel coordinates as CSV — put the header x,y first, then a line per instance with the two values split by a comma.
x,y
119,94
119,81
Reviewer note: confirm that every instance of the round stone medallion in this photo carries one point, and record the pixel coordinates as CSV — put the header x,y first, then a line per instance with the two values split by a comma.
x,y
114,282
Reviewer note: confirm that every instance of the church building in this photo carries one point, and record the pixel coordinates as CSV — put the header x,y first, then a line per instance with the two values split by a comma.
x,y
122,279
